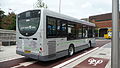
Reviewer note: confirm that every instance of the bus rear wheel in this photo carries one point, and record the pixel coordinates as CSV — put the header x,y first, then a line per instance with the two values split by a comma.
x,y
71,50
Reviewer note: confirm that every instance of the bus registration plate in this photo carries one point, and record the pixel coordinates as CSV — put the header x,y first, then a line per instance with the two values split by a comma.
x,y
26,51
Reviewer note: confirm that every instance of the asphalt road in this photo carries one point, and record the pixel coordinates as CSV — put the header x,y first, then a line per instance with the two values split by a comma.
x,y
21,62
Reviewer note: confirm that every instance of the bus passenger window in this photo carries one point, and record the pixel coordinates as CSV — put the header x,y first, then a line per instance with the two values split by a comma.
x,y
51,27
71,32
78,31
63,29
58,28
90,32
85,31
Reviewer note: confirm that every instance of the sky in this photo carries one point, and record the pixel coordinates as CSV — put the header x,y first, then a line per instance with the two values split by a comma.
x,y
75,8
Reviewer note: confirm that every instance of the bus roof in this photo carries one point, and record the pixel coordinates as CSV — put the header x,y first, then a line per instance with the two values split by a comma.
x,y
65,17
62,16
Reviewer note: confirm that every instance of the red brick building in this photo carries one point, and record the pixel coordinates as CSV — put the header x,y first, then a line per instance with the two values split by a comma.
x,y
103,23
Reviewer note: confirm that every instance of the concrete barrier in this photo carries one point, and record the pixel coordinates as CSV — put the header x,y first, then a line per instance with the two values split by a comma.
x,y
8,43
7,37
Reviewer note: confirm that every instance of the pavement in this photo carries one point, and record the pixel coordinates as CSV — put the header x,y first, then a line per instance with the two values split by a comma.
x,y
96,58
8,53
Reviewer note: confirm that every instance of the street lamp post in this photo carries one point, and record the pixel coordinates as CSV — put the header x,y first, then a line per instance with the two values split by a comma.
x,y
115,35
59,6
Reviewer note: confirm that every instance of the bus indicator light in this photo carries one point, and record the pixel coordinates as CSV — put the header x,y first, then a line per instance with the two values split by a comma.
x,y
40,49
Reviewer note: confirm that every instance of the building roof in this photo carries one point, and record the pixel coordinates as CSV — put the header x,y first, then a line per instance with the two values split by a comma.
x,y
102,20
102,17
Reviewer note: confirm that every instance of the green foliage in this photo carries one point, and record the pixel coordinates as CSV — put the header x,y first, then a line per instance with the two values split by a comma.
x,y
7,21
1,17
1,14
12,25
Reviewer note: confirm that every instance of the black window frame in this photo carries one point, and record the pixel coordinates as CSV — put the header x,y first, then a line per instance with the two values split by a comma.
x,y
62,21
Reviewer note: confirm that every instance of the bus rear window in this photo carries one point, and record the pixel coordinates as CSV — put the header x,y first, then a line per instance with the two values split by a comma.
x,y
28,22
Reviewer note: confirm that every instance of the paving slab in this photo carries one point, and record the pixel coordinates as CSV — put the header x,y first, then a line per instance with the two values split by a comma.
x,y
8,53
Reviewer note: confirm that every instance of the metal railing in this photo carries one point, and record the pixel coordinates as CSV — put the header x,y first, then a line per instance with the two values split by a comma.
x,y
7,36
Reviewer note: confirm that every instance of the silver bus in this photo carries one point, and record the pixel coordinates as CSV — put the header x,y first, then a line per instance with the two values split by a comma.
x,y
46,35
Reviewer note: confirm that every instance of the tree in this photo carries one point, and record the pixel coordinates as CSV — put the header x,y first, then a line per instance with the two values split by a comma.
x,y
1,14
40,4
9,21
1,17
12,25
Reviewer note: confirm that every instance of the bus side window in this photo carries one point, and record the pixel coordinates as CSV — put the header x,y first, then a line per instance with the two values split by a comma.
x,y
51,27
90,32
85,31
61,28
71,32
93,31
58,28
79,31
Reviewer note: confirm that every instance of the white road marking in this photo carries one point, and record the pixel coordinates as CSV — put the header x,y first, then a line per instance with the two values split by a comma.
x,y
24,64
16,66
11,59
62,64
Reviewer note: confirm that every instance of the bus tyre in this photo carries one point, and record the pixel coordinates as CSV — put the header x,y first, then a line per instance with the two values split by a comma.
x,y
71,50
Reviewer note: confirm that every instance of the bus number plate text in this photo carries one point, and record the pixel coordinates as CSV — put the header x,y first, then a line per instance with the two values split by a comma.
x,y
26,51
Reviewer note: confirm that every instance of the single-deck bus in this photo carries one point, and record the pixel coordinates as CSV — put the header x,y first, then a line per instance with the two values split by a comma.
x,y
46,35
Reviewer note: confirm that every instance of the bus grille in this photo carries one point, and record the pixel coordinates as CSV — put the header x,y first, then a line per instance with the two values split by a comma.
x,y
51,47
